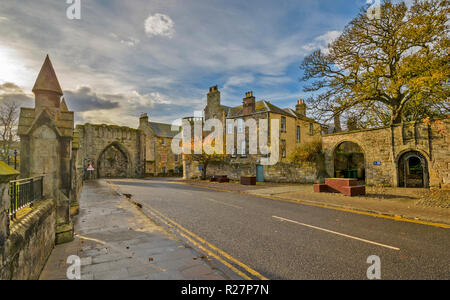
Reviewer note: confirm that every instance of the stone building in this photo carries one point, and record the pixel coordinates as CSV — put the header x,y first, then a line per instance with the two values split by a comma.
x,y
159,158
296,127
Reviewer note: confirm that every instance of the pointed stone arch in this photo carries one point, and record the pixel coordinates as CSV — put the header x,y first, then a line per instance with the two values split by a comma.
x,y
114,161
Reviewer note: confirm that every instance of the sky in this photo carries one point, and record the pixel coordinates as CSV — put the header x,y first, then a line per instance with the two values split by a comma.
x,y
125,58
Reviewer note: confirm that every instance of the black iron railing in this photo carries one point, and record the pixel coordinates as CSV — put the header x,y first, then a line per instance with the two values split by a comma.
x,y
23,193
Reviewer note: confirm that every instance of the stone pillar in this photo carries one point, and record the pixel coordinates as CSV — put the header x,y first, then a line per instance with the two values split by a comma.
x,y
46,134
6,175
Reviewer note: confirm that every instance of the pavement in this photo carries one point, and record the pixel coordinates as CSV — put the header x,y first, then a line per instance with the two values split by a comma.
x,y
394,202
258,237
116,241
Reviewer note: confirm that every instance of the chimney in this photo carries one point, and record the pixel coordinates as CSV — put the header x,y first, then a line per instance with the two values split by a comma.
x,y
300,108
143,120
213,97
249,104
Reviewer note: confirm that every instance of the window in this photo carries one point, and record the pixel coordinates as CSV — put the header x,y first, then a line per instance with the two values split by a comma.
x,y
311,129
176,158
283,124
243,148
240,126
163,142
230,127
283,148
299,132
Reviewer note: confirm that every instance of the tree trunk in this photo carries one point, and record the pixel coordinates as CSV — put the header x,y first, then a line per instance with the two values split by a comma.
x,y
204,171
396,116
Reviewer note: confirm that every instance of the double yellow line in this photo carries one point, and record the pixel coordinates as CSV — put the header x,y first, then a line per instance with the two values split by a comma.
x,y
226,259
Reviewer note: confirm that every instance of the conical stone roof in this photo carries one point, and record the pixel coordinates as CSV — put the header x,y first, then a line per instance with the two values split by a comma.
x,y
47,80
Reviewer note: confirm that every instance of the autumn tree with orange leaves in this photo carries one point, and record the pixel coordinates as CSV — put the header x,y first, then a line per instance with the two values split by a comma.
x,y
385,70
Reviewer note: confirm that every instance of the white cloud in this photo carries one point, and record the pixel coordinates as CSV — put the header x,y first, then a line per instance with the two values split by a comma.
x,y
131,42
239,80
159,25
321,42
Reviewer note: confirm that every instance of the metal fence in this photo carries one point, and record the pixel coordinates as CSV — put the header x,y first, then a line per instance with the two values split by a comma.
x,y
23,193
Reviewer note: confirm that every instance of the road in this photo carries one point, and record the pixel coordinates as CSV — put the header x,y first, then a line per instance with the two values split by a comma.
x,y
260,238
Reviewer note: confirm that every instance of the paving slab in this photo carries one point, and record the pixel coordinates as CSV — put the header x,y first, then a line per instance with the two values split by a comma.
x,y
115,241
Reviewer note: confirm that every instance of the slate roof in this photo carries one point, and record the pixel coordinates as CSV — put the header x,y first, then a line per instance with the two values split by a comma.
x,y
260,107
163,130
299,116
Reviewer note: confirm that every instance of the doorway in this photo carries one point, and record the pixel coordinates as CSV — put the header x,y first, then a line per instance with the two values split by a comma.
x,y
413,170
259,173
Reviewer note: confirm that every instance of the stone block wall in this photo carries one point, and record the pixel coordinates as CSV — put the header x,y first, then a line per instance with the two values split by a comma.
x,y
383,148
29,244
94,140
387,145
279,173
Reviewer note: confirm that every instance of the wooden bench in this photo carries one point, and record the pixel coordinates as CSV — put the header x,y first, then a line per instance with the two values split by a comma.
x,y
223,179
248,180
348,187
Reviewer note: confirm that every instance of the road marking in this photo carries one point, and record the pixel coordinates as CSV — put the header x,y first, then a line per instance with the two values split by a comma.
x,y
191,236
219,202
243,275
338,233
221,252
330,206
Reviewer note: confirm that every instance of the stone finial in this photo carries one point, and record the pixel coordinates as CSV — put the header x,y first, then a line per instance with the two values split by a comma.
x,y
47,80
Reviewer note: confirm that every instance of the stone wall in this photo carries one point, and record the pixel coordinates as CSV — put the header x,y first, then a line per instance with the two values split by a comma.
x,y
25,244
383,148
96,140
29,244
280,173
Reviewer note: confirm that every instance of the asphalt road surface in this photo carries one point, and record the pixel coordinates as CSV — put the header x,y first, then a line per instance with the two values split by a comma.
x,y
263,238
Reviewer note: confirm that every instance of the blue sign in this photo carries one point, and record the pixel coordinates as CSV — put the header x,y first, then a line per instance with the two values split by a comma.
x,y
377,163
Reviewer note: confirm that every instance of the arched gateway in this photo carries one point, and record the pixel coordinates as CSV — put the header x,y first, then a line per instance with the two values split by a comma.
x,y
113,162
413,170
349,161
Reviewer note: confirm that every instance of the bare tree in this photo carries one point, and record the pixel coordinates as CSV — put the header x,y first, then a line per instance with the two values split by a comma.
x,y
8,128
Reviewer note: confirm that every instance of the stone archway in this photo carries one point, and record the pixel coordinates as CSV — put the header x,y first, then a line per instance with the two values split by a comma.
x,y
113,162
349,161
412,169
